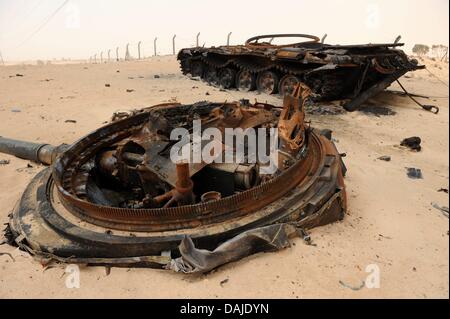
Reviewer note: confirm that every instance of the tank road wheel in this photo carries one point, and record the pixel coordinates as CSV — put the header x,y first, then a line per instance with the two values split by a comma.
x,y
267,82
211,75
227,78
197,68
245,81
287,84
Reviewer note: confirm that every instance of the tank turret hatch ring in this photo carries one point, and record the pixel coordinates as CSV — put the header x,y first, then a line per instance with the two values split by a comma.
x,y
254,41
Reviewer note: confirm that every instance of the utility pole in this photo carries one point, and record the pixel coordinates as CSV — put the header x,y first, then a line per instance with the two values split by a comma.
x,y
117,54
173,44
109,55
154,44
228,38
95,58
196,41
101,57
1,58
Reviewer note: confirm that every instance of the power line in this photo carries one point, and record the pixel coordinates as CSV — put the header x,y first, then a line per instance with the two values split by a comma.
x,y
46,21
24,19
446,84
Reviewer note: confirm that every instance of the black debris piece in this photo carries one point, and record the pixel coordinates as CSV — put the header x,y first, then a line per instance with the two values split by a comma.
x,y
354,288
385,158
413,143
444,209
414,173
224,282
9,255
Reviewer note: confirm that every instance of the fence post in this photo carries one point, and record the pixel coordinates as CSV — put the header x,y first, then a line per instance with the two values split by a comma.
x,y
101,57
196,41
95,58
117,54
173,44
139,50
228,38
154,44
109,55
127,52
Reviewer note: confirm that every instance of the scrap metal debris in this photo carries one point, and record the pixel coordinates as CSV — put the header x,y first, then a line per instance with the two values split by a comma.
x,y
324,109
414,173
333,72
263,239
442,209
121,177
223,282
431,108
413,143
385,158
361,286
7,254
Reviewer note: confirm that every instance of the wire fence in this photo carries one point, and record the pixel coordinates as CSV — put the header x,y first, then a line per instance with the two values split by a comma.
x,y
144,49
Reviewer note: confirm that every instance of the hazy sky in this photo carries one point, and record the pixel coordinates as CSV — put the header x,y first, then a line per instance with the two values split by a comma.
x,y
82,28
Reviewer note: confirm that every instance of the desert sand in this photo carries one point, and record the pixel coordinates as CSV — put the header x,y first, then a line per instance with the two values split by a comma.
x,y
390,221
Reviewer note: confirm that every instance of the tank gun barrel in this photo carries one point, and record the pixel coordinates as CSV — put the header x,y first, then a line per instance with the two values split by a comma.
x,y
39,153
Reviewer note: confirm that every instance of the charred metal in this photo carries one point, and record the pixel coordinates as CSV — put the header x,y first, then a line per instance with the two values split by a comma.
x,y
333,72
116,198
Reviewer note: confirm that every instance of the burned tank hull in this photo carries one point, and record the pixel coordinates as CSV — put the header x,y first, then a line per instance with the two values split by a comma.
x,y
333,72
116,198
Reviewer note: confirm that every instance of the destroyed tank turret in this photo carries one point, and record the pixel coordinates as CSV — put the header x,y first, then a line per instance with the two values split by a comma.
x,y
117,197
333,72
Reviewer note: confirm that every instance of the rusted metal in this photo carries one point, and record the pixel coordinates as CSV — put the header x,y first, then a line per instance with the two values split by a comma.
x,y
39,153
108,180
333,72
